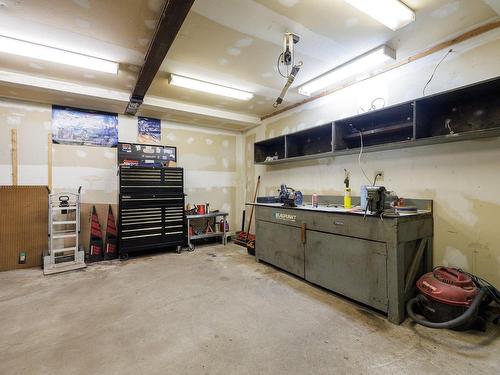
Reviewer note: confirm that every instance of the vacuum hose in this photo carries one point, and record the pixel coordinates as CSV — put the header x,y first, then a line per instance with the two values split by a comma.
x,y
458,321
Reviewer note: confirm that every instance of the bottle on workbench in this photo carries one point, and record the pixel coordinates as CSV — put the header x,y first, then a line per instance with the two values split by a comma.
x,y
314,201
347,198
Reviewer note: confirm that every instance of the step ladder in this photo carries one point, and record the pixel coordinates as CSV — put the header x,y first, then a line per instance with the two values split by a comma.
x,y
64,253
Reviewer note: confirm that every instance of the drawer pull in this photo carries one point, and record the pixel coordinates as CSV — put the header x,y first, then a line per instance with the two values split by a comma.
x,y
303,233
338,222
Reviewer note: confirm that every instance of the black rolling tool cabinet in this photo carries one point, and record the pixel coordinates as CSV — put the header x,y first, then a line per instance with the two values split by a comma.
x,y
151,209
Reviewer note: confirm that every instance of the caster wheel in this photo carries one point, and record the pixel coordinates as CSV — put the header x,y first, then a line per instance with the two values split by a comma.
x,y
124,256
179,249
191,247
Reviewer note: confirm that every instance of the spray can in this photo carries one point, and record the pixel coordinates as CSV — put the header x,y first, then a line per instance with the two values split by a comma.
x,y
315,200
347,198
347,190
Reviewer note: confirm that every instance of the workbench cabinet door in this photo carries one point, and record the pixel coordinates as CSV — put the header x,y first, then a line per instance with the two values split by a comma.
x,y
280,245
353,267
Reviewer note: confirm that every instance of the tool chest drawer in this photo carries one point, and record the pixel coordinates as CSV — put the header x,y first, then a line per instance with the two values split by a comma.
x,y
151,208
151,221
151,180
153,200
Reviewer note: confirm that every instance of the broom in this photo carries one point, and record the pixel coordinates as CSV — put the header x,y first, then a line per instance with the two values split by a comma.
x,y
246,238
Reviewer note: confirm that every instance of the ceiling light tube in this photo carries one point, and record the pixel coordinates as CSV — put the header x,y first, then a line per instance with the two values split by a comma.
x,y
357,66
392,13
41,52
210,88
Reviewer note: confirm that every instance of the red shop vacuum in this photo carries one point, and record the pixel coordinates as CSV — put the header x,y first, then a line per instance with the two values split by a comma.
x,y
451,298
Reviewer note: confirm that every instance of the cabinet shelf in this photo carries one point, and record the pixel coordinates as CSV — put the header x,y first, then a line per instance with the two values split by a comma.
x,y
270,148
384,130
465,113
313,141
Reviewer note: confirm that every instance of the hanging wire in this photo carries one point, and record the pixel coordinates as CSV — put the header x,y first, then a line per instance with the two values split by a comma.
x,y
278,66
373,107
359,157
434,72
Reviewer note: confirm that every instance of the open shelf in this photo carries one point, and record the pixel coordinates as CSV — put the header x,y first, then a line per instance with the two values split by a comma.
x,y
387,125
274,147
467,110
314,141
465,113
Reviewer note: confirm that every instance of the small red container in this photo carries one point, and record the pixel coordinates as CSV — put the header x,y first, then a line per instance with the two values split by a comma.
x,y
200,209
223,223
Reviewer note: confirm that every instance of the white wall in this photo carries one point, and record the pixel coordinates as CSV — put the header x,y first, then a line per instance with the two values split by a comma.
x,y
211,158
462,178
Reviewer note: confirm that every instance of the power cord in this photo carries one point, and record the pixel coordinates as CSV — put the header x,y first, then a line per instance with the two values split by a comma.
x,y
481,283
434,72
278,66
359,157
375,178
493,292
372,105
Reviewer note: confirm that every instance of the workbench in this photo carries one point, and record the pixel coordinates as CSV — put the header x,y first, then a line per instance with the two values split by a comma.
x,y
373,260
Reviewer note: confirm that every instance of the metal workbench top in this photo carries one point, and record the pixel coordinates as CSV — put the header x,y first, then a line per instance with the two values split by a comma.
x,y
204,216
337,209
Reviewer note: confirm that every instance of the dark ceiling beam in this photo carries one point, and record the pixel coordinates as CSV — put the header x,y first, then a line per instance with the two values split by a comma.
x,y
171,19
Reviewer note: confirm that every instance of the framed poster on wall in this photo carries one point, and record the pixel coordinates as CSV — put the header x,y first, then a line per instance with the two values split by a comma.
x,y
73,126
148,130
147,155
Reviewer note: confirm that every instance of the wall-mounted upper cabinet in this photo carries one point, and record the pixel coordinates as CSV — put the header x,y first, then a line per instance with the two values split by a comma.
x,y
270,150
469,111
466,113
314,141
388,125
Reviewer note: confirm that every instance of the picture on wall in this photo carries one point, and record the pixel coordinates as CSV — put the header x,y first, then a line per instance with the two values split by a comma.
x,y
73,126
148,130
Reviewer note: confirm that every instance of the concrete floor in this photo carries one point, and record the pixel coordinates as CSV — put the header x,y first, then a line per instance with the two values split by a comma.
x,y
213,311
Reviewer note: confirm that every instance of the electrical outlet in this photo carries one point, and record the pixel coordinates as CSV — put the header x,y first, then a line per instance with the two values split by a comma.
x,y
22,258
378,176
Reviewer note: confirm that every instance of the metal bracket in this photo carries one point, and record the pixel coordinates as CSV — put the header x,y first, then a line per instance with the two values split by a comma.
x,y
133,105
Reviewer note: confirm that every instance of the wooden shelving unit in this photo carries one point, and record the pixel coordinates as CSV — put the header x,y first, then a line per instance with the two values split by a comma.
x,y
465,113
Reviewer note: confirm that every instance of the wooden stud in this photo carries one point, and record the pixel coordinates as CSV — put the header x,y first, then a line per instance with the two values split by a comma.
x,y
49,162
13,135
438,47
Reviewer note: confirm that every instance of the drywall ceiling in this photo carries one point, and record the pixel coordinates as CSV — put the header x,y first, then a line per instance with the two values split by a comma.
x,y
231,42
116,31
236,43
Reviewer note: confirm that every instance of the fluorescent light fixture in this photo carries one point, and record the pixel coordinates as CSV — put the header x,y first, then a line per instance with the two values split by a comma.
x,y
211,88
41,52
392,13
63,86
357,66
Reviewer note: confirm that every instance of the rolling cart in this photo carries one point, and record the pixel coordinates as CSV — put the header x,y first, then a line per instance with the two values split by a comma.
x,y
222,234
